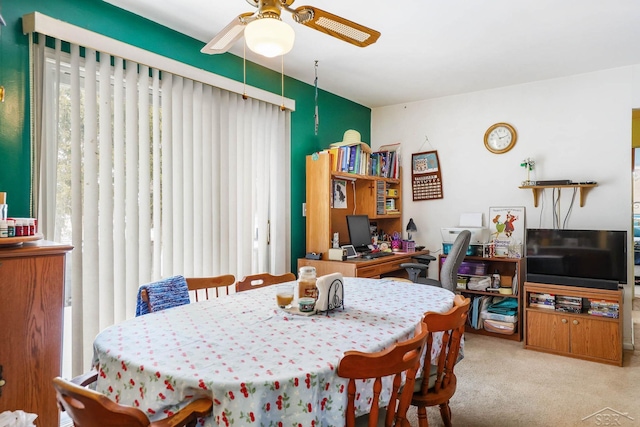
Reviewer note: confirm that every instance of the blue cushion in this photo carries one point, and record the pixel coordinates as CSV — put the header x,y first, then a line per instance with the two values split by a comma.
x,y
163,294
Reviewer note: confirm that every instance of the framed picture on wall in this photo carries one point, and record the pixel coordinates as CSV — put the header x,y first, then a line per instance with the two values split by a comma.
x,y
339,194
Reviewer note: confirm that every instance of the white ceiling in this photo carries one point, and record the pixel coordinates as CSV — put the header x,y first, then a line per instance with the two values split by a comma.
x,y
429,48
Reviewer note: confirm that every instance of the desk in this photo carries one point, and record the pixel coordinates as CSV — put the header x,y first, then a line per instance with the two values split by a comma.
x,y
259,364
358,267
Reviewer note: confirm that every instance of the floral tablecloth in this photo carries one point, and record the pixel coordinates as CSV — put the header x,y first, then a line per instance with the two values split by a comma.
x,y
261,365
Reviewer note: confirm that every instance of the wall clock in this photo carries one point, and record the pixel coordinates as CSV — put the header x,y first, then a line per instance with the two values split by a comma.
x,y
500,138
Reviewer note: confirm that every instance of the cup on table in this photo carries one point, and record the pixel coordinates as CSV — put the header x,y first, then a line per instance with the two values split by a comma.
x,y
284,295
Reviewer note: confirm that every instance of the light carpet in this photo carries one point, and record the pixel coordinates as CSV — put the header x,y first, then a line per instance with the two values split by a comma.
x,y
502,384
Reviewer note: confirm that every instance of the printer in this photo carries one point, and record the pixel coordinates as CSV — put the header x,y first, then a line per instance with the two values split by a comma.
x,y
471,222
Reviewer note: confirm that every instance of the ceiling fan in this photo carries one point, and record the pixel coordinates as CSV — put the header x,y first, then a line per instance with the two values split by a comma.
x,y
265,27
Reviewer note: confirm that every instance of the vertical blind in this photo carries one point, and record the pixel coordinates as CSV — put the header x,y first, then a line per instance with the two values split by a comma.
x,y
150,174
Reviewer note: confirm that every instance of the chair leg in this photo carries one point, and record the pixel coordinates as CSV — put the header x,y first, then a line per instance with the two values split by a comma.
x,y
422,417
445,413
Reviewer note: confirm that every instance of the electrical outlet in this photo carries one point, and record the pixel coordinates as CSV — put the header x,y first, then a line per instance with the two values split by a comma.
x,y
304,209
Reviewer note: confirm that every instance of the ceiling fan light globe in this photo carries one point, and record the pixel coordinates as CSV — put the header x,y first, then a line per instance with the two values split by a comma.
x,y
269,37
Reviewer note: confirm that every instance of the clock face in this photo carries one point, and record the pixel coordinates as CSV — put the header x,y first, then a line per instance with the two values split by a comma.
x,y
500,138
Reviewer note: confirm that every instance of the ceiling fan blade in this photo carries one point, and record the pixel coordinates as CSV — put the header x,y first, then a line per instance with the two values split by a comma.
x,y
228,35
335,26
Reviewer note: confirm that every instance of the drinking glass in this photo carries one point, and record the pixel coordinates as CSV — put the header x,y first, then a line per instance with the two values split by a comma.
x,y
284,295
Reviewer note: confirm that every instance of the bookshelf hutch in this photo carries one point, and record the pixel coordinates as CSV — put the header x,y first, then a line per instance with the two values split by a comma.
x,y
365,195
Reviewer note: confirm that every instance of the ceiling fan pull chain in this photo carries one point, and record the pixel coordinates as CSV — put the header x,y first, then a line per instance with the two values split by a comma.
x,y
244,71
282,107
315,116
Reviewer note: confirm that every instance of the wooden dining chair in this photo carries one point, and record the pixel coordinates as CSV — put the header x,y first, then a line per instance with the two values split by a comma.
x,y
439,385
401,358
88,408
220,285
261,280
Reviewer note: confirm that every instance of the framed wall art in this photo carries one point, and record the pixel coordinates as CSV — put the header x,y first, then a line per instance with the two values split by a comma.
x,y
426,178
339,194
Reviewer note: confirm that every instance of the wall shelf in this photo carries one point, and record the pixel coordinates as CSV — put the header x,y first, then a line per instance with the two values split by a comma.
x,y
584,188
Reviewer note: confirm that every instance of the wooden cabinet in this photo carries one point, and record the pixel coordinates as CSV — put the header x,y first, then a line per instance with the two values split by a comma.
x,y
579,334
506,267
379,198
32,287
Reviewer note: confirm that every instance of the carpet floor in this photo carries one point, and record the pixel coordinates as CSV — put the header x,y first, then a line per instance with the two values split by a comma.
x,y
502,384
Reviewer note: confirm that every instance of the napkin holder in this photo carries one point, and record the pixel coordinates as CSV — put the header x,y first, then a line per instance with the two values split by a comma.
x,y
330,293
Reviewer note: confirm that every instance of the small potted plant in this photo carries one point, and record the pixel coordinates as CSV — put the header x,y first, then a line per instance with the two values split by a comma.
x,y
528,164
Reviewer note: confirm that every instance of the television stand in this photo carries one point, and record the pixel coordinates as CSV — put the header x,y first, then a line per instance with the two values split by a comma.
x,y
579,334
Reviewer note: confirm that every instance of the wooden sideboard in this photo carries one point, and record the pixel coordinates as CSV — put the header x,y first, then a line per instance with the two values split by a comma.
x,y
32,287
372,268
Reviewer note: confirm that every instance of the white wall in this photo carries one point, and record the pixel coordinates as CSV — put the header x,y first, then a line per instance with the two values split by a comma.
x,y
577,128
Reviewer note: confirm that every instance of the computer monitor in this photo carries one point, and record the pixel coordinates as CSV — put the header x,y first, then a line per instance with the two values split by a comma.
x,y
359,232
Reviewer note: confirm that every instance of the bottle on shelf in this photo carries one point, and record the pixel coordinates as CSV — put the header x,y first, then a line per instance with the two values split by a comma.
x,y
495,280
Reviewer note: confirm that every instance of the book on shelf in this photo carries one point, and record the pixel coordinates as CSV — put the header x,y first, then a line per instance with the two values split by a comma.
x,y
539,305
570,303
603,303
386,161
613,314
352,158
358,159
542,298
569,300
568,309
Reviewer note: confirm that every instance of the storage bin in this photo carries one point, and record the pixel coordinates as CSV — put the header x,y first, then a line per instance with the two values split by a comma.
x,y
446,247
499,317
473,268
498,327
408,246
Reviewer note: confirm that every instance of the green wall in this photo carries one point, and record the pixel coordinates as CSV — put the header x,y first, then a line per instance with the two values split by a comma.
x,y
336,114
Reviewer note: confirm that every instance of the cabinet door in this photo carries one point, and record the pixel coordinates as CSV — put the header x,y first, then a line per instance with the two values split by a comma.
x,y
547,330
31,334
595,338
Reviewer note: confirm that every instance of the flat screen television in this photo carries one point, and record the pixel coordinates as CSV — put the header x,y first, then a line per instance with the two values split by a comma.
x,y
359,232
588,258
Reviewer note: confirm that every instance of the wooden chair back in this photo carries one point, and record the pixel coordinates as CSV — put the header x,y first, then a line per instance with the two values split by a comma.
x,y
88,408
261,280
402,357
201,286
438,381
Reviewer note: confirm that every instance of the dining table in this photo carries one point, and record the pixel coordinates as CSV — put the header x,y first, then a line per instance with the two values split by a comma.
x,y
260,364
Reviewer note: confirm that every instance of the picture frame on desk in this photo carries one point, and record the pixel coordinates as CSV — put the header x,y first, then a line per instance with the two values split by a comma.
x,y
351,251
507,225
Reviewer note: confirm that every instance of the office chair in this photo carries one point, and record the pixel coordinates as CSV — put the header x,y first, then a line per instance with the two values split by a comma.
x,y
418,269
449,271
